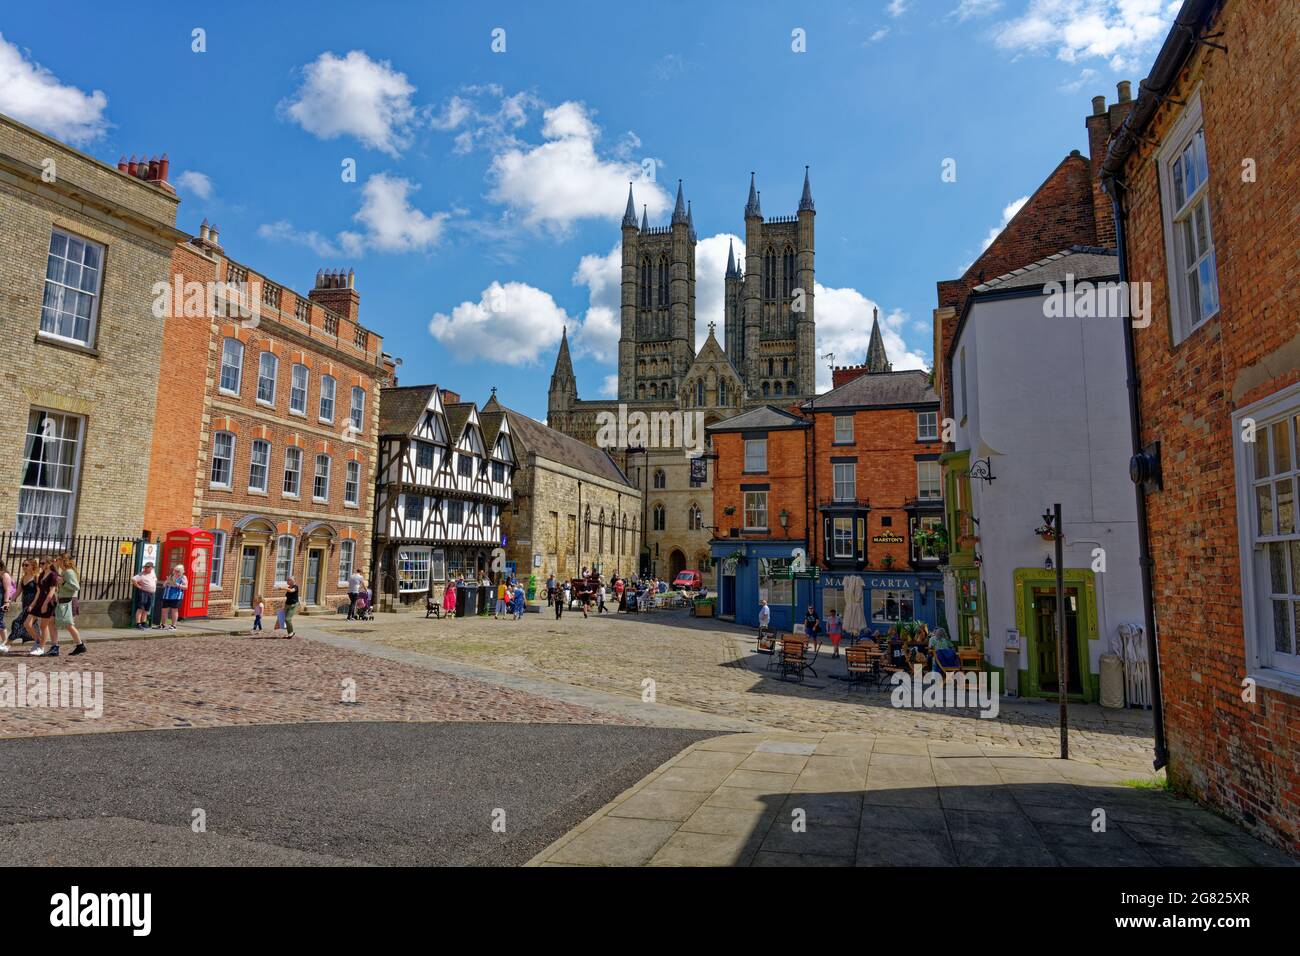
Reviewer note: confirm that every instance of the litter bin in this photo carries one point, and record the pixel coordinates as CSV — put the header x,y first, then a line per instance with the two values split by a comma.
x,y
466,600
486,602
1011,672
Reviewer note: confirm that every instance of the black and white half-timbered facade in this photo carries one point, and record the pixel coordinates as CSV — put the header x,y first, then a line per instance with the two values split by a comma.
x,y
444,473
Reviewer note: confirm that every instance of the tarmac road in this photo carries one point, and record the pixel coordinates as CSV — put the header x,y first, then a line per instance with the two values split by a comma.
x,y
316,794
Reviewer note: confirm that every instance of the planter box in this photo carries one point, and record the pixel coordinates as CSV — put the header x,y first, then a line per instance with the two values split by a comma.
x,y
702,609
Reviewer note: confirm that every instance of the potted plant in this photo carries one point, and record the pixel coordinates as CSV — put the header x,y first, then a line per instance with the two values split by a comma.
x,y
729,510
1047,533
887,561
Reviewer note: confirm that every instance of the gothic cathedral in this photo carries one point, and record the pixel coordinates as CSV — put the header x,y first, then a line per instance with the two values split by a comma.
x,y
768,355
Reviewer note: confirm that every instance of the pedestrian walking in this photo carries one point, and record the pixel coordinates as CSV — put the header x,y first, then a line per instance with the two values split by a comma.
x,y
259,607
146,587
40,613
290,604
173,593
812,626
26,593
600,599
8,592
356,584
834,631
764,616
499,612
67,604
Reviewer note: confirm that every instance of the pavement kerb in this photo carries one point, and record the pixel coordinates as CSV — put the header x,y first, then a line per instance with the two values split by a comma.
x,y
623,797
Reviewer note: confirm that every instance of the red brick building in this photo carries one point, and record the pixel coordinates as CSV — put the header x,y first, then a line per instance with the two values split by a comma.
x,y
265,430
1206,172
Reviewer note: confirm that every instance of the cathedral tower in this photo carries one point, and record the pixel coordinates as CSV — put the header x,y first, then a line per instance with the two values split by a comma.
x,y
657,335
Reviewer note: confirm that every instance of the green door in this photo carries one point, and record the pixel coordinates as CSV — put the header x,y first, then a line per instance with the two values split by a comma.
x,y
1043,643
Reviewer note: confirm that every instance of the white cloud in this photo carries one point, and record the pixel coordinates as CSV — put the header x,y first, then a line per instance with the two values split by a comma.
x,y
609,387
602,325
844,327
970,9
1119,31
33,95
897,8
392,224
1008,213
879,35
710,284
511,324
455,113
1085,75
283,231
389,223
195,182
565,179
354,96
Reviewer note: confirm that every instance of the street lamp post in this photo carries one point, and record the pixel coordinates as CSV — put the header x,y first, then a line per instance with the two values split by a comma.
x,y
1052,519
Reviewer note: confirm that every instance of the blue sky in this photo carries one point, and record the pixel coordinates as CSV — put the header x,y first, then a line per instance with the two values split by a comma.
x,y
489,185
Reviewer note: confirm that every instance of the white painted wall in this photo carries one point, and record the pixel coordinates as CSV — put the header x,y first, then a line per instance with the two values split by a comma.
x,y
1049,407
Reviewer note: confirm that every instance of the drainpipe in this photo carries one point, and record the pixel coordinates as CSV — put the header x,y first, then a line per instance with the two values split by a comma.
x,y
1145,562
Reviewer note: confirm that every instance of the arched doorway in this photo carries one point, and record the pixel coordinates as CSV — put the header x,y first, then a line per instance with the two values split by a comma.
x,y
676,563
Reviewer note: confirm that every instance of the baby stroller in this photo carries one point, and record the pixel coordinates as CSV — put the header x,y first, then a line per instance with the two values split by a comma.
x,y
365,610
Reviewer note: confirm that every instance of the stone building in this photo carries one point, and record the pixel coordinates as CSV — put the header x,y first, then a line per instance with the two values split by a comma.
x,y
573,508
82,245
1205,173
444,478
768,353
265,434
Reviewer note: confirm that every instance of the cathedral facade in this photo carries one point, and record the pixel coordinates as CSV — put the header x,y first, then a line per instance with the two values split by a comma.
x,y
768,355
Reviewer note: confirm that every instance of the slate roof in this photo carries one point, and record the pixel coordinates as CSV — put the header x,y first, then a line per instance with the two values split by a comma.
x,y
1082,262
457,416
531,436
400,409
763,418
879,389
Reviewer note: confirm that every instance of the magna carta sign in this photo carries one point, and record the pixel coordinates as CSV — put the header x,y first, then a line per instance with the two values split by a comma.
x,y
887,537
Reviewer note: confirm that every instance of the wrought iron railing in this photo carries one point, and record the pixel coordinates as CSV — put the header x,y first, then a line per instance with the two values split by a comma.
x,y
105,563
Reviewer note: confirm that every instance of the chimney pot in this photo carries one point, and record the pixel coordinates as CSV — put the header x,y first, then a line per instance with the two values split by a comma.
x,y
1098,105
1124,87
203,229
163,166
213,233
121,165
130,166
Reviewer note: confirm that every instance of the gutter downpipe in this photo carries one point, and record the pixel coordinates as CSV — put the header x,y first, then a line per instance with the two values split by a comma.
x,y
1145,561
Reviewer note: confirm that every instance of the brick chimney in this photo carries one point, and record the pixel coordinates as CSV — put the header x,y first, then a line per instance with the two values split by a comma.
x,y
449,397
336,290
152,171
1102,124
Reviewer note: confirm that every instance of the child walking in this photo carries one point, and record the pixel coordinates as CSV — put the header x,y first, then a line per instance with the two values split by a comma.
x,y
259,607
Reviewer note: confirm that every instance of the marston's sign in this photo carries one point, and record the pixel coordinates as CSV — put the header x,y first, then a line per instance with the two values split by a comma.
x,y
887,537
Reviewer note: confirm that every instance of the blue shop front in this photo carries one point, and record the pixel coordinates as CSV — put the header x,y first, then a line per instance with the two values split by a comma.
x,y
750,571
888,597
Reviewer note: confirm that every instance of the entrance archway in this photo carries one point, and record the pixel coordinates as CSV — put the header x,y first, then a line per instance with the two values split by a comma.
x,y
676,563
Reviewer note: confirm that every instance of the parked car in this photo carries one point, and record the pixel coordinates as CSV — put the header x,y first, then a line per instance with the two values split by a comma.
x,y
688,581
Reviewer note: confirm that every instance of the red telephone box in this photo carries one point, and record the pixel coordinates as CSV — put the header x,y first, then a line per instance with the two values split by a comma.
x,y
191,548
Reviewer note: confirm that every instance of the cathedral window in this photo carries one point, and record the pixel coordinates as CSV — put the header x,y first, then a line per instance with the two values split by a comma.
x,y
789,388
787,273
645,283
722,393
777,390
770,366
766,390
661,479
785,366
663,280
769,274
699,394
660,518
695,518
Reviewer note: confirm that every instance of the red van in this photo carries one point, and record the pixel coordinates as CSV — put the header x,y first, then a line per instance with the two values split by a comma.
x,y
688,581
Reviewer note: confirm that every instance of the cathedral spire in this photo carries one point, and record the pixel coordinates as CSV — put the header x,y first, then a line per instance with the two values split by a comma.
x,y
806,200
732,271
563,363
679,211
752,207
877,359
690,220
629,216
645,218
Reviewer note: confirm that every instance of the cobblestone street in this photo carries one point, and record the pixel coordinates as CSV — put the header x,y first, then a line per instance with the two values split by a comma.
x,y
710,666
224,680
